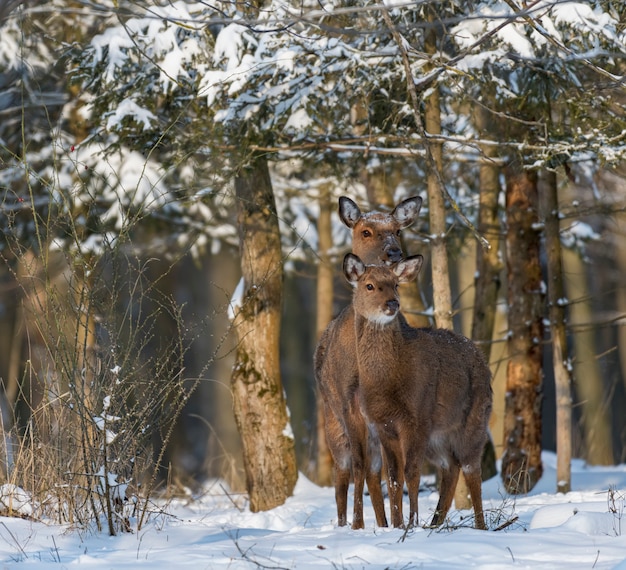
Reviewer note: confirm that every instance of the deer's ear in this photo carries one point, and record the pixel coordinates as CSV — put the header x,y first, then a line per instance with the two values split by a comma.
x,y
406,212
353,268
349,212
407,269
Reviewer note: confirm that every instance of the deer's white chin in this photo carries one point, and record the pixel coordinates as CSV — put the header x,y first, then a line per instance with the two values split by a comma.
x,y
382,319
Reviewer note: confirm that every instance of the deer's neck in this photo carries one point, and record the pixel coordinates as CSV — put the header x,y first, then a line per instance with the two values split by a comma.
x,y
377,346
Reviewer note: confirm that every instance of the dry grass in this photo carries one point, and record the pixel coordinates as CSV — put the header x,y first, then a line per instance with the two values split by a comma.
x,y
99,398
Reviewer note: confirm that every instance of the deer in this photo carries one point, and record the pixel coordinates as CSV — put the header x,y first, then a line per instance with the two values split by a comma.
x,y
354,447
425,391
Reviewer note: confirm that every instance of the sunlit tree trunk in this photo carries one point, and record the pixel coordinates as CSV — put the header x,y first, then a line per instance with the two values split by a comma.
x,y
620,250
258,397
521,461
224,457
324,314
488,266
560,358
588,379
11,333
442,295
488,262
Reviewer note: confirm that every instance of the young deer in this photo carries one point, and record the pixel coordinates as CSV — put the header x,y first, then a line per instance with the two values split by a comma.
x,y
426,391
375,238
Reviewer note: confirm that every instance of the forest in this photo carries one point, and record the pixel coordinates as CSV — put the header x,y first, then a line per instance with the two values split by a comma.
x,y
171,249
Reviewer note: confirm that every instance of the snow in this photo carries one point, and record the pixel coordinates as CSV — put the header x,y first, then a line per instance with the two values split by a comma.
x,y
129,108
157,37
237,65
585,19
581,529
101,423
236,300
549,18
114,45
299,120
124,180
14,499
577,234
10,51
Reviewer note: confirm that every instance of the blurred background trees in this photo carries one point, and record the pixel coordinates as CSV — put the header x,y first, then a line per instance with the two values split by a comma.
x,y
125,129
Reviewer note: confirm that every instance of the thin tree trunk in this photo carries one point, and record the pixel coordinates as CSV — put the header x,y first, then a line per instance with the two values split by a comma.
x,y
224,453
488,267
11,333
560,358
620,250
588,383
521,461
325,292
442,295
488,262
258,397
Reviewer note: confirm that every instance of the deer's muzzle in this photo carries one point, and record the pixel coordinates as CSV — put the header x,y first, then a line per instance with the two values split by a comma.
x,y
392,306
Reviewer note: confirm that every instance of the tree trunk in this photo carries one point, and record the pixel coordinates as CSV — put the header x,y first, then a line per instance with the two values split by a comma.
x,y
521,461
442,295
488,262
488,267
11,336
620,251
560,358
258,398
325,292
588,379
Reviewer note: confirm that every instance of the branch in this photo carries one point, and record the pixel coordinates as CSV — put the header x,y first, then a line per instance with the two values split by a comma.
x,y
430,159
367,144
530,20
7,7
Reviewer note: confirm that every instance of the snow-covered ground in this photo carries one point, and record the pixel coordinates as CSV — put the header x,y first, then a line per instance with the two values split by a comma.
x,y
583,529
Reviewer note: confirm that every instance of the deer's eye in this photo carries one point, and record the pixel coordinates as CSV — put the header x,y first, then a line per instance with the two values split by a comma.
x,y
398,233
366,233
369,287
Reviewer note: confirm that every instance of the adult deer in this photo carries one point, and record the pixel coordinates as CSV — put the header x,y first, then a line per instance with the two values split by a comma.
x,y
426,391
375,238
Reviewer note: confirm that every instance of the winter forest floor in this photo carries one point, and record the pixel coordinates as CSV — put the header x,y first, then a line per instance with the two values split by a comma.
x,y
583,529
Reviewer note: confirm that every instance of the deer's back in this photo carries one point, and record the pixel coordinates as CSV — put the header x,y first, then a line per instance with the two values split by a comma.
x,y
335,362
457,368
428,377
462,399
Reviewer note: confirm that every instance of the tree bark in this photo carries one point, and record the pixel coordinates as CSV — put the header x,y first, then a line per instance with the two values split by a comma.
x,y
325,292
488,267
588,378
488,262
620,250
258,398
521,461
442,295
560,358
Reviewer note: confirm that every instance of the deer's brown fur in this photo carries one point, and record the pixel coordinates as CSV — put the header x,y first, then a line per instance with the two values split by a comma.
x,y
427,392
353,446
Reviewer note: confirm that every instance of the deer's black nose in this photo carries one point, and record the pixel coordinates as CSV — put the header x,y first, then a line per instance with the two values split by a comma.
x,y
393,305
394,254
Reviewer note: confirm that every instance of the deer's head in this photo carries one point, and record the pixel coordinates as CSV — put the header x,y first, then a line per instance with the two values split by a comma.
x,y
376,286
376,235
